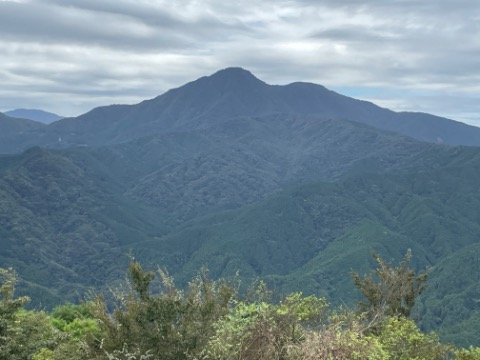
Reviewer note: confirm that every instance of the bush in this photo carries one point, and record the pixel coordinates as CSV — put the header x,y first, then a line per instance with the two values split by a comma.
x,y
404,340
260,330
473,353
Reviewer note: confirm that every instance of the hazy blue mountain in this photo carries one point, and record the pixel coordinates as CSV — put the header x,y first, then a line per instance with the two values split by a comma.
x,y
235,93
11,126
13,132
42,116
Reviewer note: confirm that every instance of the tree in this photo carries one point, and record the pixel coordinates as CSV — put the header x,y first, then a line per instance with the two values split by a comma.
x,y
262,330
75,320
8,307
170,325
22,333
390,291
402,339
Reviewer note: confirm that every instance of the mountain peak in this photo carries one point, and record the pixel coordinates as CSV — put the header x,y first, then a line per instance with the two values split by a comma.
x,y
235,76
233,71
232,80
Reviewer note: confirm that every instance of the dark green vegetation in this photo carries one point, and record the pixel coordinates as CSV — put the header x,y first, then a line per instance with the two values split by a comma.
x,y
209,320
287,183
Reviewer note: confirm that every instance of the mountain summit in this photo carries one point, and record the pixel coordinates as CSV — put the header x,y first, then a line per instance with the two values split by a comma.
x,y
235,93
236,76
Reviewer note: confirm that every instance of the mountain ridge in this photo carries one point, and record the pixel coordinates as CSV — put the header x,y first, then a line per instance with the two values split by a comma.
x,y
42,116
235,93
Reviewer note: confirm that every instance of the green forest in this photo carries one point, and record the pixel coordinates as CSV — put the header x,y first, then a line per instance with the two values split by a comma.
x,y
148,317
70,218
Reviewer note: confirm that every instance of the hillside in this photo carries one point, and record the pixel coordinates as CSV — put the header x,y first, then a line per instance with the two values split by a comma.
x,y
61,225
13,132
56,203
310,238
42,116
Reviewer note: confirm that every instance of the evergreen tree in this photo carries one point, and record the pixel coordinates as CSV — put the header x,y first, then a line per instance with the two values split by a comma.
x,y
390,291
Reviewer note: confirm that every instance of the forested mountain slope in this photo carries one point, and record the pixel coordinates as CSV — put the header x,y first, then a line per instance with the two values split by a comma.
x,y
61,224
64,212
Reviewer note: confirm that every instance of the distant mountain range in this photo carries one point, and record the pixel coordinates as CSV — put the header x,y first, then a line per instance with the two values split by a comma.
x,y
44,117
294,183
229,94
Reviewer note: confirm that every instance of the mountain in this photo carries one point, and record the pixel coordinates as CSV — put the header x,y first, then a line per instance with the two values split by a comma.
x,y
13,132
44,117
92,201
236,93
11,126
294,183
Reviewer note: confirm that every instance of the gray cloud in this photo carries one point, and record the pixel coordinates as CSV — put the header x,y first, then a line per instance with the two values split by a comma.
x,y
69,56
51,23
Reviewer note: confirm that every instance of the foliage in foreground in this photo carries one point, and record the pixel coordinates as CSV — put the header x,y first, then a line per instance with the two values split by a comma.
x,y
389,291
156,320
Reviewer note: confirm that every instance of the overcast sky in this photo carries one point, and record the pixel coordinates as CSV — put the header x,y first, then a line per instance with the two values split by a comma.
x,y
69,56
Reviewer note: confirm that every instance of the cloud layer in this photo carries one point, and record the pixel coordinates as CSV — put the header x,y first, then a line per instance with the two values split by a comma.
x,y
70,56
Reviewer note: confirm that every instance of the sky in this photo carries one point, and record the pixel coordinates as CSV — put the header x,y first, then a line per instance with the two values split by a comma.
x,y
69,56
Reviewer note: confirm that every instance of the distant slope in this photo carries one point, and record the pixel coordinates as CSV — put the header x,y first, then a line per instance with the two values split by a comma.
x,y
247,194
426,210
61,225
42,116
190,174
10,126
245,159
13,132
57,203
236,93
